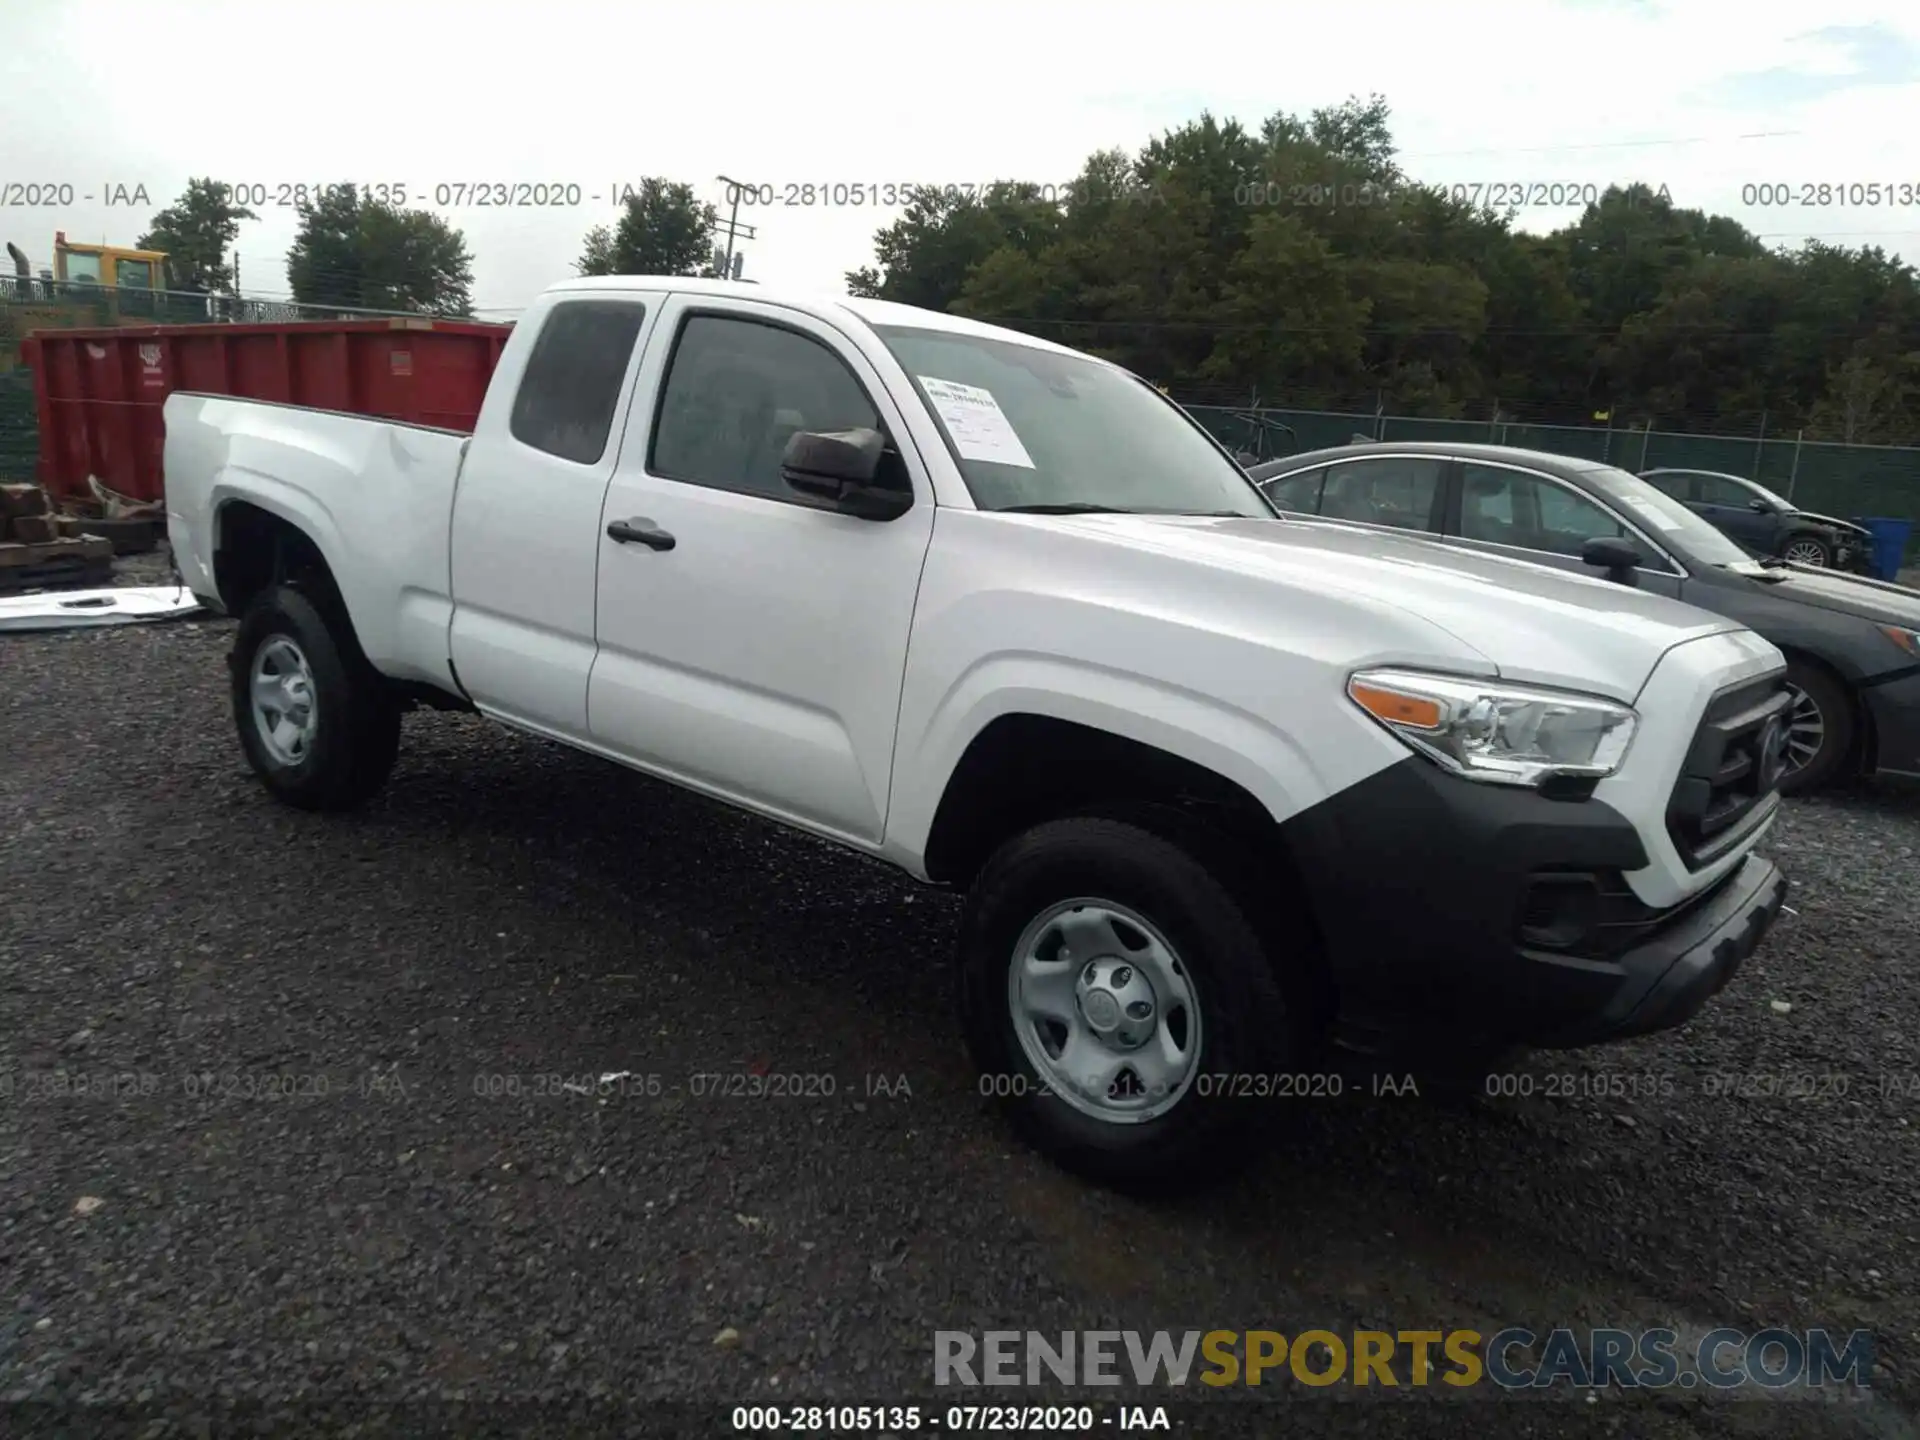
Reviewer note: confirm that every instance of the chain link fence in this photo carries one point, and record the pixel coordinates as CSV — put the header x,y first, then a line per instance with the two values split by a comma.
x,y
1848,481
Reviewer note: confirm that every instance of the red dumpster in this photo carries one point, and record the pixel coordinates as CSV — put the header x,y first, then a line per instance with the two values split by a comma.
x,y
98,393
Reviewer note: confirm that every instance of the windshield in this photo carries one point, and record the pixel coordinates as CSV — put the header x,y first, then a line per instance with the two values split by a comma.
x,y
1673,525
1037,429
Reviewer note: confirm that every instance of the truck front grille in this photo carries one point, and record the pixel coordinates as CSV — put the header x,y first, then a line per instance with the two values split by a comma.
x,y
1730,781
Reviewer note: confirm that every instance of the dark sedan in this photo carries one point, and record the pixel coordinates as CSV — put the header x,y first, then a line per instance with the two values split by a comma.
x,y
1763,523
1852,644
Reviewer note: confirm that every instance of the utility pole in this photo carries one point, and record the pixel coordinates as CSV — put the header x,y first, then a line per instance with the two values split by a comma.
x,y
728,270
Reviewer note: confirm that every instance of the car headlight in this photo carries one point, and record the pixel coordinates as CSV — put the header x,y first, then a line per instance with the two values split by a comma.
x,y
1907,640
1489,730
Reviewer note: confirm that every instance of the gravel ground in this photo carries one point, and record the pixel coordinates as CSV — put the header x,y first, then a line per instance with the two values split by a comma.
x,y
400,1229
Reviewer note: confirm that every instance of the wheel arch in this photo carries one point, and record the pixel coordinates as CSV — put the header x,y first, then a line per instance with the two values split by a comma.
x,y
1024,768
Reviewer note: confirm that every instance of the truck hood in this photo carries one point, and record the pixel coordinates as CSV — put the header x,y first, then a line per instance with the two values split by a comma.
x,y
1533,624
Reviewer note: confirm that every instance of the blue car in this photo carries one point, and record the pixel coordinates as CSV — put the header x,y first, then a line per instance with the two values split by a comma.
x,y
1763,523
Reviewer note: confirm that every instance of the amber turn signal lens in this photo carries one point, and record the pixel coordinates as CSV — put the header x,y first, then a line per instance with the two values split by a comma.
x,y
1397,709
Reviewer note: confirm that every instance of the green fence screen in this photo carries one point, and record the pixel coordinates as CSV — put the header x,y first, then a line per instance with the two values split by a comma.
x,y
19,434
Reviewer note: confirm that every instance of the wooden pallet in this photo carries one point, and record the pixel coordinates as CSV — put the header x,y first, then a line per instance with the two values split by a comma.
x,y
54,565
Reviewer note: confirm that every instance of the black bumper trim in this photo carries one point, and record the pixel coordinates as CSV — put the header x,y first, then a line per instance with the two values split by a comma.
x,y
1665,982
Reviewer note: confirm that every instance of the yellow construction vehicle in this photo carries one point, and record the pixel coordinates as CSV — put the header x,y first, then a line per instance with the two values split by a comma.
x,y
113,266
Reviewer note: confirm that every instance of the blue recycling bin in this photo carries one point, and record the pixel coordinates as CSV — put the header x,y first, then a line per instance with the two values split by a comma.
x,y
1890,537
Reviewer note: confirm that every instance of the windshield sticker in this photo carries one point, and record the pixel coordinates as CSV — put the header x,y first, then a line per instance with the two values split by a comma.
x,y
979,427
1651,513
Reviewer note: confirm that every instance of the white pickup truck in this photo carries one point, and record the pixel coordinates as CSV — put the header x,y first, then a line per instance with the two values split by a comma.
x,y
1220,787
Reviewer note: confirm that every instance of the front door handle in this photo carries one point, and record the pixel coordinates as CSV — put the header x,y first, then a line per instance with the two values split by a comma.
x,y
642,530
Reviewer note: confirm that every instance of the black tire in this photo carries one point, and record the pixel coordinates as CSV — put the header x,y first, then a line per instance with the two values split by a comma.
x,y
356,736
1834,708
1247,1027
1822,552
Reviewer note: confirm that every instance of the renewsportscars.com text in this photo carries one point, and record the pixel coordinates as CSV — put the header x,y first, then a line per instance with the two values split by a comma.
x,y
1508,1359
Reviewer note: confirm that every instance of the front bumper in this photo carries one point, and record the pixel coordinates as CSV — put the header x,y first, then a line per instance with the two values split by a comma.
x,y
1665,981
1854,554
1894,707
1485,916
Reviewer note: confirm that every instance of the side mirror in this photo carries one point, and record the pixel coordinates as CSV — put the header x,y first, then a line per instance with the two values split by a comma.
x,y
840,471
1760,507
1615,556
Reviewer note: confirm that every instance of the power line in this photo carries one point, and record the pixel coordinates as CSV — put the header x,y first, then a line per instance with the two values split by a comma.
x,y
1604,145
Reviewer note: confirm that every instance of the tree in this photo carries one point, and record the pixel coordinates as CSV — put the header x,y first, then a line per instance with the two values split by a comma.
x,y
1870,402
925,256
197,232
662,230
1299,261
355,252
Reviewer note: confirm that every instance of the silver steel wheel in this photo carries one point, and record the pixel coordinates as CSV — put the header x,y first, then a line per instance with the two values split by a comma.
x,y
1105,1011
1805,552
284,713
1806,730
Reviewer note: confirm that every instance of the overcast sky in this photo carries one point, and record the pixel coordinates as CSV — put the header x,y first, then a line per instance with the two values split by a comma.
x,y
1701,97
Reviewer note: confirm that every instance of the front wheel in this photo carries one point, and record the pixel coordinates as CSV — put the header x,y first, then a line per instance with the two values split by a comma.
x,y
1819,728
1806,550
315,719
1113,994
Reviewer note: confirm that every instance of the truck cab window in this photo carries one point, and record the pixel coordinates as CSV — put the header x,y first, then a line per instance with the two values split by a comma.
x,y
572,383
737,390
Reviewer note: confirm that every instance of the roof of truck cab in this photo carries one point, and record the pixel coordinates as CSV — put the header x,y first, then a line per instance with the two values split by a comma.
x,y
820,304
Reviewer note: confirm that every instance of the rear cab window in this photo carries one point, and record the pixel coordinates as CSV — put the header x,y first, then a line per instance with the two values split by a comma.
x,y
571,386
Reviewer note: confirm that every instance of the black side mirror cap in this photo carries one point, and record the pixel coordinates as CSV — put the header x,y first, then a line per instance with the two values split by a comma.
x,y
839,470
1615,556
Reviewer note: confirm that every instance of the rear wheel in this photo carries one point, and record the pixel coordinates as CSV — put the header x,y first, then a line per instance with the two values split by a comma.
x,y
1819,728
1119,1003
315,719
1806,550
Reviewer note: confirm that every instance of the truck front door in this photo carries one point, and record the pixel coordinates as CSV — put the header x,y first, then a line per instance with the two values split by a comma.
x,y
749,645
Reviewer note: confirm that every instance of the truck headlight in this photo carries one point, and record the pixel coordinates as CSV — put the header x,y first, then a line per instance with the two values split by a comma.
x,y
1489,730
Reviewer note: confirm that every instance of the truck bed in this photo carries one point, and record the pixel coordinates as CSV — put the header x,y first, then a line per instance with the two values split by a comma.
x,y
375,495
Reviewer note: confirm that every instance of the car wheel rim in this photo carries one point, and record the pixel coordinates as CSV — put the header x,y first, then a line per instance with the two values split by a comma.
x,y
1805,552
284,713
1806,730
1107,1015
